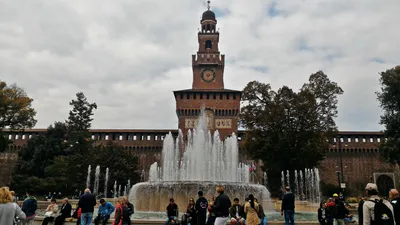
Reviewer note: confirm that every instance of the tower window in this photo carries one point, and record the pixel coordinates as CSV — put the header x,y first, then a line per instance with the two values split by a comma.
x,y
214,96
208,96
208,44
201,95
227,96
194,95
208,28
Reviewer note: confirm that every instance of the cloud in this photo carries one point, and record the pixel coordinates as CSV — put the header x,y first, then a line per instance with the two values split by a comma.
x,y
128,56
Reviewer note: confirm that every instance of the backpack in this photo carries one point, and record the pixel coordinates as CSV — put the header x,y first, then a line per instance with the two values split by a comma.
x,y
382,214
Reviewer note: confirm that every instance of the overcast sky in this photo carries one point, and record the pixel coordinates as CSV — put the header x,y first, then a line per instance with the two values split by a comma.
x,y
129,55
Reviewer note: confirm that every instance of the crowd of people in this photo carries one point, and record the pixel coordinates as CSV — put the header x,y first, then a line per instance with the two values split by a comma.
x,y
372,209
12,213
217,211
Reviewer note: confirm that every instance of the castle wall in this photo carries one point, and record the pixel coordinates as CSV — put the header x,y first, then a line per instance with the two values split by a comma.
x,y
359,150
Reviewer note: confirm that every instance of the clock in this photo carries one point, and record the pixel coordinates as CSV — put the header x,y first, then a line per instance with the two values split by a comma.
x,y
208,75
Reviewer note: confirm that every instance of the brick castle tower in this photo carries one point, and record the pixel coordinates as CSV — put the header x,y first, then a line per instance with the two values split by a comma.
x,y
221,105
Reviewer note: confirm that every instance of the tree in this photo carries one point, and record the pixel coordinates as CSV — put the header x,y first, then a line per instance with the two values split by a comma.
x,y
289,130
389,99
16,111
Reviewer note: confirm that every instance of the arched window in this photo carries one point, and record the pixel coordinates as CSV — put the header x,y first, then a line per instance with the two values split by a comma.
x,y
208,28
208,44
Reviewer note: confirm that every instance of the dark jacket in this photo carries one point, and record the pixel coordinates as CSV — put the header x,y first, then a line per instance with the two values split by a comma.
x,y
172,210
396,209
323,215
201,207
87,202
360,212
29,206
236,209
287,201
261,213
222,205
340,210
66,210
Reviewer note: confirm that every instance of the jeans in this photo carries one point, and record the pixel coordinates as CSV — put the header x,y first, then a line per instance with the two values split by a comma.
x,y
263,221
169,219
289,217
86,218
103,220
338,222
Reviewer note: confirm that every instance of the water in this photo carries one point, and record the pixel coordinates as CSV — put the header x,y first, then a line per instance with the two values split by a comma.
x,y
115,189
307,187
200,163
96,181
128,186
205,158
88,177
106,183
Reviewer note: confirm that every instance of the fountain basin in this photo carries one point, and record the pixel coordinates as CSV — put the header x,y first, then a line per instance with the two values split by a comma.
x,y
154,196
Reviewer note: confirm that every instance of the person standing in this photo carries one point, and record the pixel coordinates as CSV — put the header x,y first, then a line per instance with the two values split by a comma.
x,y
29,207
287,208
105,210
87,202
251,209
65,212
221,206
201,209
376,210
8,209
395,200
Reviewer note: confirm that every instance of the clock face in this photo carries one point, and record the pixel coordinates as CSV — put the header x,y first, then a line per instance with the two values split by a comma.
x,y
208,75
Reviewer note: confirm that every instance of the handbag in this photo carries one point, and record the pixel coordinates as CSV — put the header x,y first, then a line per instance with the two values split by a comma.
x,y
48,214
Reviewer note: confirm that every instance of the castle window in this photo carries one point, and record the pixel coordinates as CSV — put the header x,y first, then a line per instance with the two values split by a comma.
x,y
16,137
208,27
30,136
10,137
156,138
162,138
23,137
208,96
208,44
106,138
356,139
148,137
221,96
214,96
371,140
194,95
134,137
92,137
213,28
227,96
181,95
120,137
378,139
348,139
201,95
341,140
364,140
334,140
234,96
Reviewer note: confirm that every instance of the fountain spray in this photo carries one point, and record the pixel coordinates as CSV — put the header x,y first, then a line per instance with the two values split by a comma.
x,y
96,181
88,177
106,183
115,189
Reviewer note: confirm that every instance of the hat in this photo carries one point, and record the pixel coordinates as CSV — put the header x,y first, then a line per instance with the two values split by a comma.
x,y
335,195
371,186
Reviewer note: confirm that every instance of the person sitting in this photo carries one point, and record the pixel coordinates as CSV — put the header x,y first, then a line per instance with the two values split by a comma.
x,y
172,212
51,212
104,213
323,214
189,217
235,213
349,218
65,212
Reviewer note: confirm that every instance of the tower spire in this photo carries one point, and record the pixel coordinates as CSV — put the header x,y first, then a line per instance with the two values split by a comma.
x,y
208,4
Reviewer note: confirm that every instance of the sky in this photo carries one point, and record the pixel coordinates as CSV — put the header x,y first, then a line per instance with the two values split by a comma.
x,y
128,56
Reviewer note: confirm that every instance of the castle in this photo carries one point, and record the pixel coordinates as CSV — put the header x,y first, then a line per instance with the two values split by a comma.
x,y
356,154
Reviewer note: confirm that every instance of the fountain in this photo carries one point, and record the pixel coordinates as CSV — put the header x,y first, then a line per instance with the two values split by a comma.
x,y
306,188
88,177
96,181
201,163
115,190
106,183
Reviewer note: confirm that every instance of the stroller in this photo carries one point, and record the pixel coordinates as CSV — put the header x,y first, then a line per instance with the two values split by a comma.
x,y
186,219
